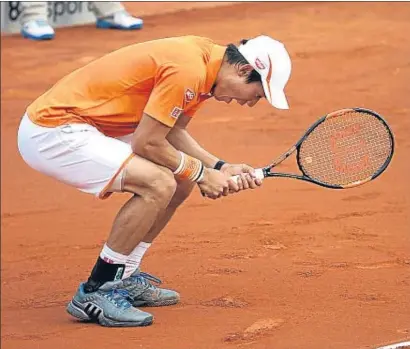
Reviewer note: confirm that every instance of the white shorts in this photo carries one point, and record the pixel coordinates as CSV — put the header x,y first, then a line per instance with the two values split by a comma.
x,y
76,154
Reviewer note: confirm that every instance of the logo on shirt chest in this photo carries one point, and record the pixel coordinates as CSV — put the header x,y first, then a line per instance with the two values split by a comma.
x,y
189,95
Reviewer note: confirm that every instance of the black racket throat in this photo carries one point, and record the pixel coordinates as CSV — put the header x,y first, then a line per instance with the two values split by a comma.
x,y
267,171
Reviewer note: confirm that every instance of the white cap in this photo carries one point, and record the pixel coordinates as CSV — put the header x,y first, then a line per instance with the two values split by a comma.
x,y
271,60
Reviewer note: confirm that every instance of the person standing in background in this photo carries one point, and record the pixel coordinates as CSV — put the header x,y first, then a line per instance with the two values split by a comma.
x,y
109,15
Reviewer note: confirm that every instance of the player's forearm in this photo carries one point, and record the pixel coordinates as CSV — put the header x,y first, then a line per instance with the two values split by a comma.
x,y
161,153
183,141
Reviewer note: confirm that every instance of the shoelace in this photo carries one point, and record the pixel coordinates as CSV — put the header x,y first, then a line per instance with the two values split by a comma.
x,y
119,298
144,280
148,277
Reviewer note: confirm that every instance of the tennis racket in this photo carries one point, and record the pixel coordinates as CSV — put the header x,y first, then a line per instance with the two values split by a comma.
x,y
343,149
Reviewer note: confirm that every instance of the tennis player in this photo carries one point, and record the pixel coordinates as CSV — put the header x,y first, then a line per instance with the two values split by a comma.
x,y
119,124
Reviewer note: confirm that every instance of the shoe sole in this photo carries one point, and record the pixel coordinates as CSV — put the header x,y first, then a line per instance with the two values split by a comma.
x,y
163,303
105,25
38,38
75,309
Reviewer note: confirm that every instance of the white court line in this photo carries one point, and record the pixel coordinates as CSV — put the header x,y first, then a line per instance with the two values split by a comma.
x,y
394,346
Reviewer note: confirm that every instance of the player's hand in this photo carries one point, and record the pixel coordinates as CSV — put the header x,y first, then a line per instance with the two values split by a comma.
x,y
214,184
247,178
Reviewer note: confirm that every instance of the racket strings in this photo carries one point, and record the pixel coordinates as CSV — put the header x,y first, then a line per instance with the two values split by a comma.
x,y
345,149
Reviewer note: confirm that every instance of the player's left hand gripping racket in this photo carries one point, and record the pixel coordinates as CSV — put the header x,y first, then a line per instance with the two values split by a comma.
x,y
343,149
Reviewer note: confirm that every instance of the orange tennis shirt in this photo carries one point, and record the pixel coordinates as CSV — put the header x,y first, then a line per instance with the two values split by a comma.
x,y
162,78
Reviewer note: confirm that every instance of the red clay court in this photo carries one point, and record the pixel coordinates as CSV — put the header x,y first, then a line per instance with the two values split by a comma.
x,y
288,266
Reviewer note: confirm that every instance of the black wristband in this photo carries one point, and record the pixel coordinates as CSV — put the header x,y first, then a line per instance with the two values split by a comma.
x,y
219,165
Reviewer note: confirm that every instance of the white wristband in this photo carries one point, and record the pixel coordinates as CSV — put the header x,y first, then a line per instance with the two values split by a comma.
x,y
181,164
200,176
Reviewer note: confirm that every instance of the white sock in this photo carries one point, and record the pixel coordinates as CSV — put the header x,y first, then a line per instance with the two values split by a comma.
x,y
112,257
134,259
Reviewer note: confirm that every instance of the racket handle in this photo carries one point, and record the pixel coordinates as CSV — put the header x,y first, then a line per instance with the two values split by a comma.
x,y
258,173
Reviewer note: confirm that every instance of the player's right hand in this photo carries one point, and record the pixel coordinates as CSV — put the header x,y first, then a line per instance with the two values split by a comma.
x,y
214,184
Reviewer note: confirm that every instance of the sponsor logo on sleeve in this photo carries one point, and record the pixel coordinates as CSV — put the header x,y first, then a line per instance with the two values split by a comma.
x,y
189,95
176,112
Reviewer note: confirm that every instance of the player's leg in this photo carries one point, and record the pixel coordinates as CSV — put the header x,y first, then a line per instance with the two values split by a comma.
x,y
154,187
82,157
33,20
183,190
139,284
112,15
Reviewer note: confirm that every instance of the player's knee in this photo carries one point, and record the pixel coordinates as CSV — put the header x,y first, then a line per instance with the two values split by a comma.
x,y
162,187
152,183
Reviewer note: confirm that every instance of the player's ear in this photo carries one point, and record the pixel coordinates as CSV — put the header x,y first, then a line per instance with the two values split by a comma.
x,y
244,70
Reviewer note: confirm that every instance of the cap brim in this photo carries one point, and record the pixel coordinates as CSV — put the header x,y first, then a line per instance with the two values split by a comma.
x,y
275,96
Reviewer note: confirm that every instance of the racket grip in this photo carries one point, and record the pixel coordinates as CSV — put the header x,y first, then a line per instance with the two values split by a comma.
x,y
258,173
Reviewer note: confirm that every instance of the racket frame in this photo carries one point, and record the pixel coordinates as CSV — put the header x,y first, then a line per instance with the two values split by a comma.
x,y
267,170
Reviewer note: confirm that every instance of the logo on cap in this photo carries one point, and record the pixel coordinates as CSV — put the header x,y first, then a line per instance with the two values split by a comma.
x,y
259,64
